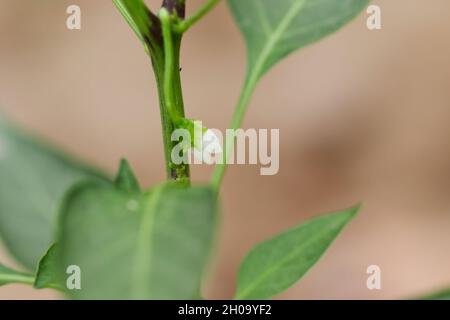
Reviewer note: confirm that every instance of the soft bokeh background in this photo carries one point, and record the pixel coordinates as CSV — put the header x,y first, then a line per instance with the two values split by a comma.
x,y
364,116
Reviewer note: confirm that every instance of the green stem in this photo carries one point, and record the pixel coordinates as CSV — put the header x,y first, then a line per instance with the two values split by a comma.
x,y
166,122
236,123
176,84
186,24
169,64
166,65
165,55
17,278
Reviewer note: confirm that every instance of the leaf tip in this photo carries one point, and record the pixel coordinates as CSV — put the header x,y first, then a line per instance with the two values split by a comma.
x,y
356,209
125,178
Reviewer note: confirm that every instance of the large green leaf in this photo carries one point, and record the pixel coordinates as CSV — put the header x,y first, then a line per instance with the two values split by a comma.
x,y
47,275
10,276
276,264
151,245
33,179
275,28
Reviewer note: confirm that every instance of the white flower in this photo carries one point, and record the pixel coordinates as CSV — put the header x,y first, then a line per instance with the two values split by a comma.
x,y
208,147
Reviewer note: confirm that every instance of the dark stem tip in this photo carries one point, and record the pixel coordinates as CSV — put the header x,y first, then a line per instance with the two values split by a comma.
x,y
177,6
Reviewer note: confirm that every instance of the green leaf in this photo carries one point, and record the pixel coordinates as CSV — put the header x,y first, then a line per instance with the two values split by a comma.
x,y
151,245
274,29
440,295
33,179
47,275
10,276
276,264
143,22
126,180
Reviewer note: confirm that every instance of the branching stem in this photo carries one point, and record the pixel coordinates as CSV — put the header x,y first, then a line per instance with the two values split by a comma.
x,y
186,24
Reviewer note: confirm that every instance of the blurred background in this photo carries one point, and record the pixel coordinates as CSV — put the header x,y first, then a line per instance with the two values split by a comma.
x,y
363,116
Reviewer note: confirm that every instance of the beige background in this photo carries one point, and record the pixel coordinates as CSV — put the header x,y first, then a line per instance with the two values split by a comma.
x,y
364,116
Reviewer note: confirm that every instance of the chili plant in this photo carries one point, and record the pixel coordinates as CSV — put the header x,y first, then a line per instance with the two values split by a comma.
x,y
59,217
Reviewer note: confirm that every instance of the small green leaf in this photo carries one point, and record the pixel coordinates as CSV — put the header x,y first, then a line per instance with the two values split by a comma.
x,y
143,22
10,276
151,245
47,275
126,180
33,179
274,29
276,264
